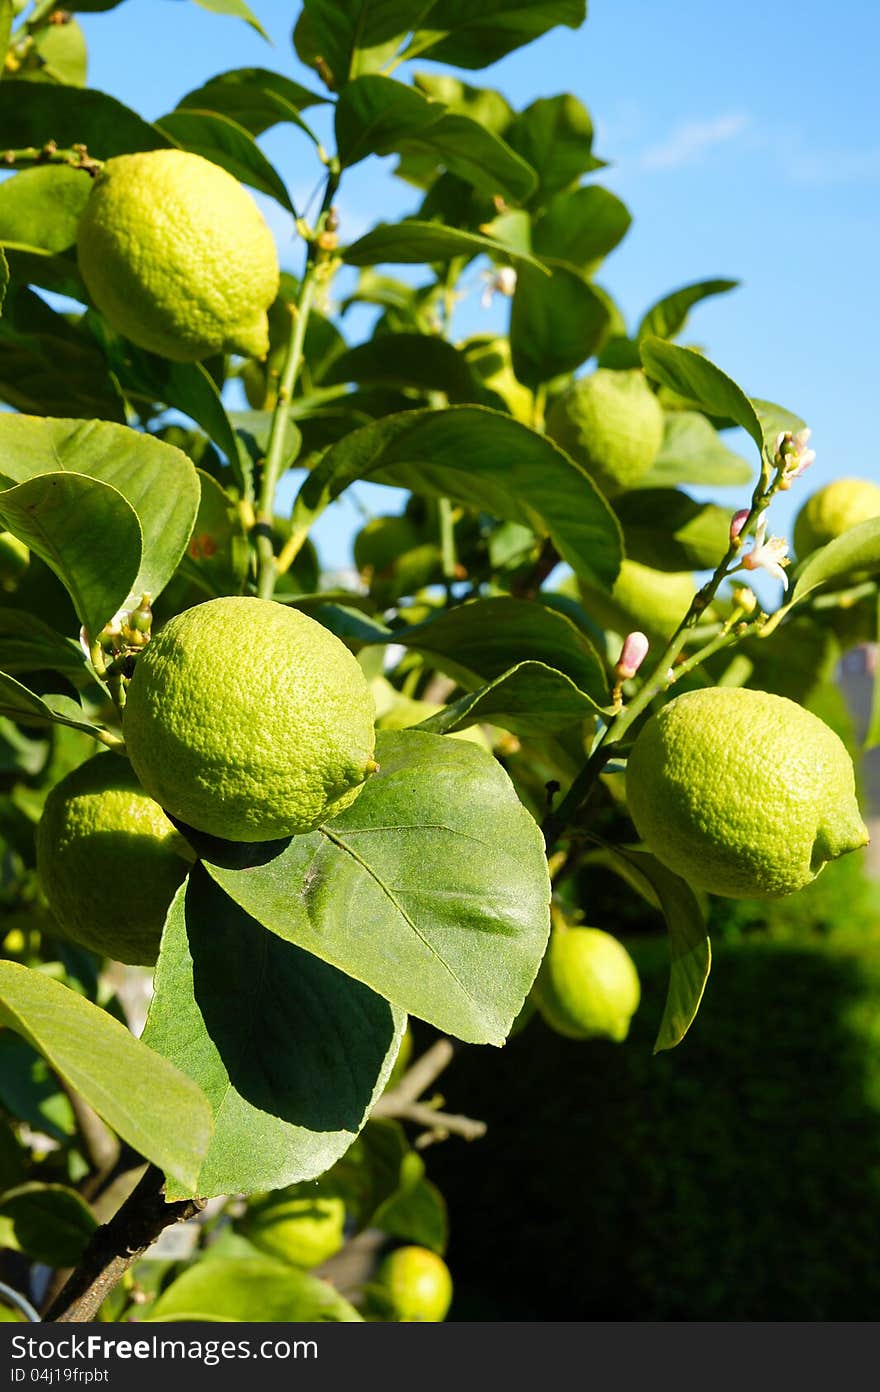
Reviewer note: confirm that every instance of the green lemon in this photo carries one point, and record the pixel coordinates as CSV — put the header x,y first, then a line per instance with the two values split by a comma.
x,y
612,424
109,860
249,720
14,559
177,256
416,1284
832,510
743,793
299,1227
652,601
588,986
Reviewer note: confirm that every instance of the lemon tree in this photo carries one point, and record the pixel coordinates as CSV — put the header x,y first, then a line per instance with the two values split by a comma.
x,y
246,862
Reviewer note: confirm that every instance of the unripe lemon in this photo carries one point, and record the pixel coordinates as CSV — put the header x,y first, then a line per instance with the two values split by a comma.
x,y
109,860
588,986
249,721
416,1284
743,793
652,601
832,510
301,1228
612,424
177,256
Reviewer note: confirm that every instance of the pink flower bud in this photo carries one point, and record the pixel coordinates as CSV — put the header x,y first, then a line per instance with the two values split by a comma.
x,y
632,655
737,522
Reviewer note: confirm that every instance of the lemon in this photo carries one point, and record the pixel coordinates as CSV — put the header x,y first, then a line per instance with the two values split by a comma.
x,y
832,510
299,1227
612,424
177,256
652,601
416,1284
109,860
249,720
743,793
588,986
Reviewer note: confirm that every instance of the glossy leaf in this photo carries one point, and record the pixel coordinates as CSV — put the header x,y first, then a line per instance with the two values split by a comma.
x,y
223,141
250,1290
58,55
483,104
41,374
485,637
581,227
689,948
475,36
486,460
290,1052
49,1223
431,888
217,557
157,481
556,323
775,419
692,452
407,360
27,644
237,9
417,1215
853,556
145,1099
555,137
29,110
84,530
255,98
373,1170
354,37
22,706
412,242
33,265
530,699
697,379
669,315
665,529
42,206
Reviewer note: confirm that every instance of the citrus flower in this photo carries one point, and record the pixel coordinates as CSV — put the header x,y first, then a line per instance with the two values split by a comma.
x,y
791,456
767,553
501,281
632,655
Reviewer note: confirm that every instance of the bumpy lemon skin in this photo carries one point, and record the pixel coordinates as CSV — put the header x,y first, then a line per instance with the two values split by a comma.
x,y
177,256
743,793
612,424
250,721
109,860
417,1284
588,987
832,510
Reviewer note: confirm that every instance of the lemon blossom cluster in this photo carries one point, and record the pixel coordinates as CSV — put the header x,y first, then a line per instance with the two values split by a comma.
x,y
767,553
791,456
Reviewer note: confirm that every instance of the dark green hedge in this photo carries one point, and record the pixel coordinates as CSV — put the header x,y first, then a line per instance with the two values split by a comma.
x,y
736,1178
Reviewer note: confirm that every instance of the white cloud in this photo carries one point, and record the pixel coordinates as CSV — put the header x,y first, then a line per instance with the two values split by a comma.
x,y
689,141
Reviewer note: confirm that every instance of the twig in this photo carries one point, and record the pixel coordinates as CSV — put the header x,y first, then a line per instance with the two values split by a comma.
x,y
417,1079
439,1125
116,1246
99,1143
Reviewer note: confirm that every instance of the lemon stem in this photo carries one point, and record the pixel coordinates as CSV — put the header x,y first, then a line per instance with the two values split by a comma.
x,y
77,157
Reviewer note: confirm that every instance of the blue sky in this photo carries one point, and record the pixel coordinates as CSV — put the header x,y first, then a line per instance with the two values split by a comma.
x,y
744,139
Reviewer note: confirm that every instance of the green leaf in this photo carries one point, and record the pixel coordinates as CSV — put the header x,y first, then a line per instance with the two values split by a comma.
x,y
669,315
158,481
665,529
698,380
853,556
291,1053
774,419
431,888
146,1100
47,1222
407,360
375,1168
418,1214
59,55
42,207
689,948
485,637
356,36
486,460
254,97
693,453
556,323
223,141
32,265
4,277
555,137
30,1091
236,9
7,17
217,555
466,35
530,699
483,104
376,115
581,227
252,1290
44,375
29,110
84,530
27,644
411,242
12,1157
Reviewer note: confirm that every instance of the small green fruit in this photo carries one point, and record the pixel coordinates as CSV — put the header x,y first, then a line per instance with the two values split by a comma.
x,y
652,601
587,987
416,1284
301,1227
832,510
612,424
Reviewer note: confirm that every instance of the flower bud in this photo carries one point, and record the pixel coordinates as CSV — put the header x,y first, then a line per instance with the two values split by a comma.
x,y
632,655
737,522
